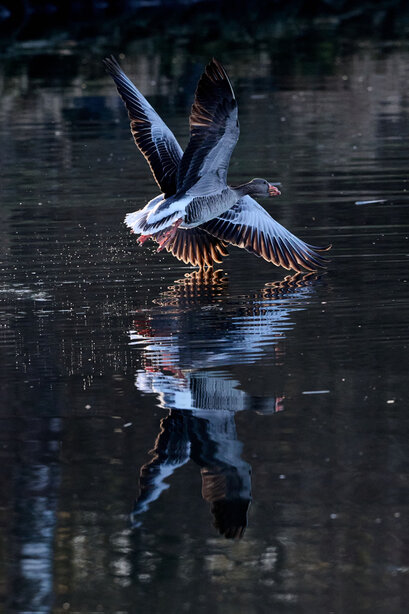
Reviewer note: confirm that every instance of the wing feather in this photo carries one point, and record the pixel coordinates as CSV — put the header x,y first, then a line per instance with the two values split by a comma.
x,y
151,135
214,130
197,247
247,224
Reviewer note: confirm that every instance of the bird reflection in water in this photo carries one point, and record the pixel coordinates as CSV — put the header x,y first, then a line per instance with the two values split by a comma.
x,y
190,348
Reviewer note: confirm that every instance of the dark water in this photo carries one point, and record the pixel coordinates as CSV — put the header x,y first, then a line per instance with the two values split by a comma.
x,y
146,405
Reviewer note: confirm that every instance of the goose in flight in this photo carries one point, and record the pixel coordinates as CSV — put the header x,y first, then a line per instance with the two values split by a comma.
x,y
197,215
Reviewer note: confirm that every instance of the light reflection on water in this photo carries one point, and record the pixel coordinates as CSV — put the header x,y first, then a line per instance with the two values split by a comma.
x,y
328,524
184,351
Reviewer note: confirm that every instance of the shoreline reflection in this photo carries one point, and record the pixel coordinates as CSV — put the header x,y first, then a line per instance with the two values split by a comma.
x,y
187,363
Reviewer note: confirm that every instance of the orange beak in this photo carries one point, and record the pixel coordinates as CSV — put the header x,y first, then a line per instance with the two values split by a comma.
x,y
272,190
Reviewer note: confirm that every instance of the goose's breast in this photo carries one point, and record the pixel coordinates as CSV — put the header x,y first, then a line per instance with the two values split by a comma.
x,y
204,208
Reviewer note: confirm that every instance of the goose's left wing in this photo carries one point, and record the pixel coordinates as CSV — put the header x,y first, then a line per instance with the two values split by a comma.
x,y
153,138
248,225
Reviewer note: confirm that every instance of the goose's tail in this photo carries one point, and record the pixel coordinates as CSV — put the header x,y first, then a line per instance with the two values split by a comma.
x,y
153,219
136,220
139,222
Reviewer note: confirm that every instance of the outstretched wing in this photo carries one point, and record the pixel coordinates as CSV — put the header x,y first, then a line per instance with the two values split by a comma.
x,y
248,225
197,247
152,136
214,130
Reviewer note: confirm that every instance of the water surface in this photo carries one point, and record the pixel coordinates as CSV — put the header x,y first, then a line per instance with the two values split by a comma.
x,y
149,412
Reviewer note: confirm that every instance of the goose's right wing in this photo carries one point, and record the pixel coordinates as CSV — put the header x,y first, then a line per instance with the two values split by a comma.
x,y
152,136
247,224
214,131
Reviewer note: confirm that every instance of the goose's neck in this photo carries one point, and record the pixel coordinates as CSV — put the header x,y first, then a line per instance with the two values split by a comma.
x,y
244,189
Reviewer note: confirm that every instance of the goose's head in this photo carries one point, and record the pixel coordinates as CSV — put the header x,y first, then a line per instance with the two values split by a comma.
x,y
261,187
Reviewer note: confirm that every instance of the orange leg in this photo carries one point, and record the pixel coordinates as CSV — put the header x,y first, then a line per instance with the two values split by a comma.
x,y
141,240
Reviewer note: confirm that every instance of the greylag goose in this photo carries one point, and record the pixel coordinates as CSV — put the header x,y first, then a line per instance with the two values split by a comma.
x,y
197,215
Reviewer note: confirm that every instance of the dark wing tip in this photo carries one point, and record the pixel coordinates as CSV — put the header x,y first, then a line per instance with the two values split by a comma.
x,y
111,65
316,248
215,65
216,73
311,254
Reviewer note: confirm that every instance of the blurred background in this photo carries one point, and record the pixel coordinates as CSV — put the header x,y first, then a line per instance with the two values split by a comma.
x,y
121,19
218,23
